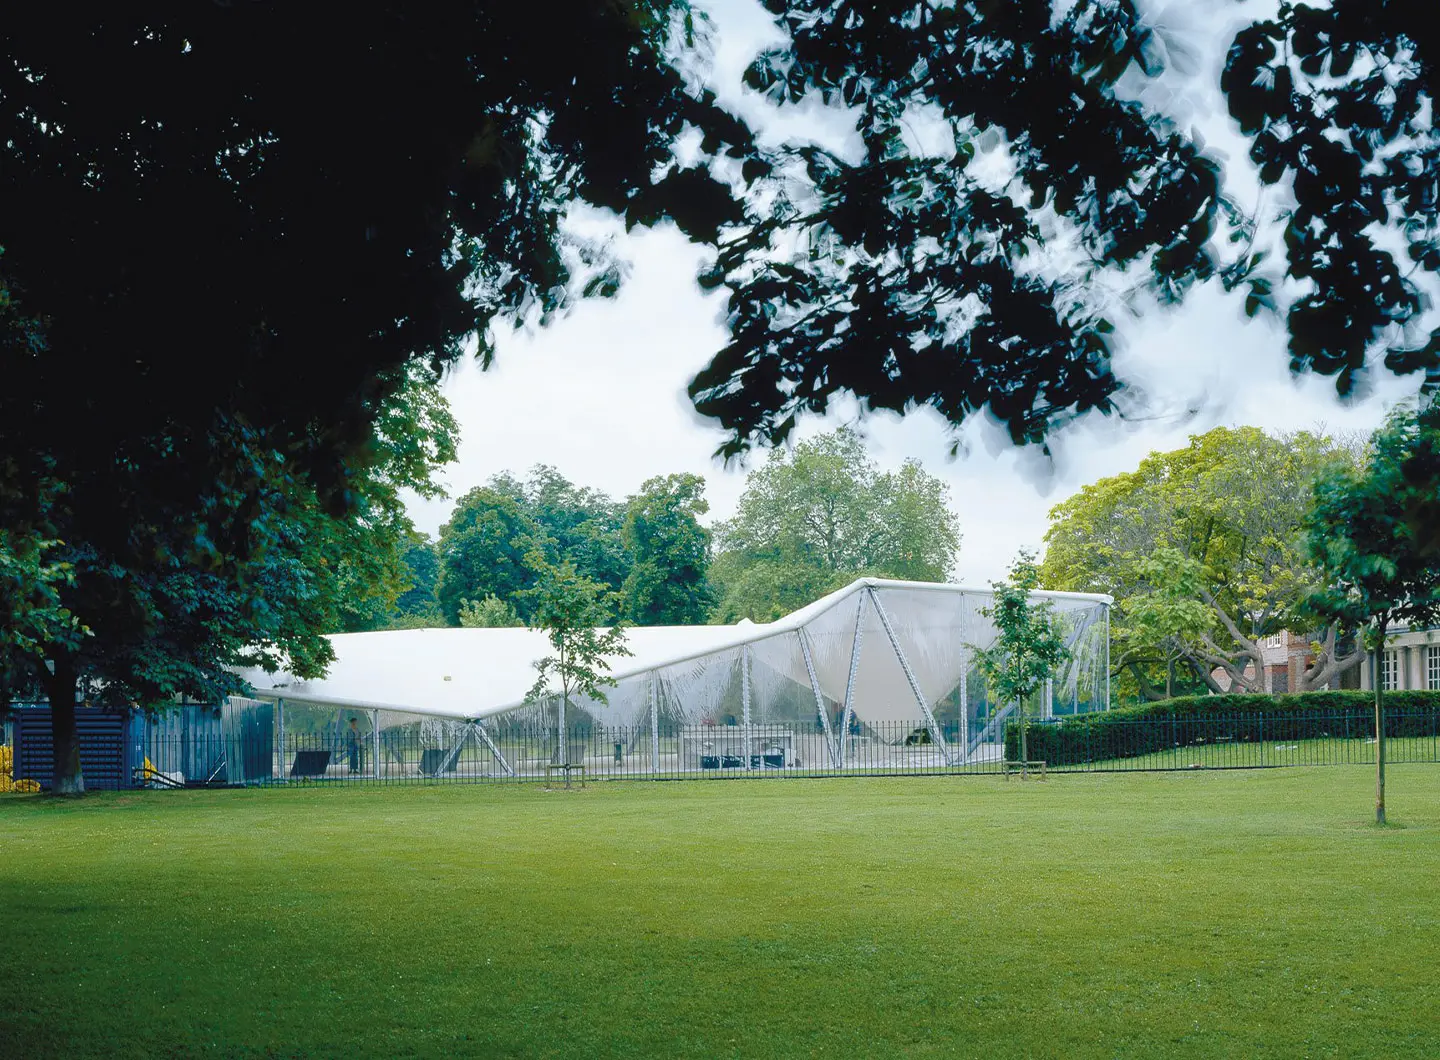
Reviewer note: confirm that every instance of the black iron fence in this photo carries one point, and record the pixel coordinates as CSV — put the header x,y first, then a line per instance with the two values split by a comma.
x,y
496,751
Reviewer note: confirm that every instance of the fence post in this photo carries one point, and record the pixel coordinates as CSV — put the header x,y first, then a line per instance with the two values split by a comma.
x,y
745,699
375,745
654,727
280,738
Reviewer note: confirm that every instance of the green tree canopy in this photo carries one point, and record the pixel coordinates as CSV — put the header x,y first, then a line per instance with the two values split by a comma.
x,y
650,551
489,613
419,603
143,633
669,552
813,521
1379,564
1227,512
185,205
482,550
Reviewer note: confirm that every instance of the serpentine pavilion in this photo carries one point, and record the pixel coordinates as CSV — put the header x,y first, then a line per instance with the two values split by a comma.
x,y
879,676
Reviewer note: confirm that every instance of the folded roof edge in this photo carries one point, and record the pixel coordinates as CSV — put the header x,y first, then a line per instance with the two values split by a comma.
x,y
745,633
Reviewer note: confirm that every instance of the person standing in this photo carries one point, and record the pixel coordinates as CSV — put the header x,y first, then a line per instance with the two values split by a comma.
x,y
354,745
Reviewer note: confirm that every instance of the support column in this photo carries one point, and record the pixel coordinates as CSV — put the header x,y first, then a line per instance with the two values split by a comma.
x,y
1047,702
280,738
745,699
848,712
1107,657
453,755
830,747
965,707
935,733
654,726
484,737
375,744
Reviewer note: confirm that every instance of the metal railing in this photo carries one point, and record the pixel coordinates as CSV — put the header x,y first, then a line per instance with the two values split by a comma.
x,y
498,752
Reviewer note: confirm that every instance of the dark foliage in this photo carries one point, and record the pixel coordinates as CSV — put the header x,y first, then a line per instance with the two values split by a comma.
x,y
905,278
236,211
1194,720
1338,101
909,276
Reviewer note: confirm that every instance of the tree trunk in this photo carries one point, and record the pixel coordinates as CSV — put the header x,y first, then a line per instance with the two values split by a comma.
x,y
1024,749
1330,664
60,690
1379,729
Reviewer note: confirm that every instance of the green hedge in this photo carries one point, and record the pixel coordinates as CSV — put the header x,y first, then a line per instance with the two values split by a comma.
x,y
1184,721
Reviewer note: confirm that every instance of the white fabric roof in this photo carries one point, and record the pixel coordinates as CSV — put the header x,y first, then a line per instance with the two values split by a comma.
x,y
474,673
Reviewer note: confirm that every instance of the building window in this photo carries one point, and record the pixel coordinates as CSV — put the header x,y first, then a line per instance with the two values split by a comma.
x,y
1432,667
1390,671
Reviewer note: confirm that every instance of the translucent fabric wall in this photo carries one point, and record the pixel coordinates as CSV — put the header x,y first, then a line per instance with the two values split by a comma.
x,y
884,679
886,665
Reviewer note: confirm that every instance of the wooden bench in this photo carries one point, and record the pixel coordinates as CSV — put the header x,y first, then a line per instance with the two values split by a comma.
x,y
551,769
1007,768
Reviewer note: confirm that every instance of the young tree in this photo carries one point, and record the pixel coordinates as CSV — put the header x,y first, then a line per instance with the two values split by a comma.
x,y
489,613
1029,646
810,522
668,583
571,609
1380,563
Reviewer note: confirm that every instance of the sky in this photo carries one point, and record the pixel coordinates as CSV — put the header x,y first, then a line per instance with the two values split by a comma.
x,y
600,393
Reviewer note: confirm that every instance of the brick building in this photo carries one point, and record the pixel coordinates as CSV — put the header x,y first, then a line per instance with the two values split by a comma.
x,y
1286,656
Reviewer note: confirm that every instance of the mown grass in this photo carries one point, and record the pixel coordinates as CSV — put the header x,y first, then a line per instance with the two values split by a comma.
x,y
1198,914
1242,754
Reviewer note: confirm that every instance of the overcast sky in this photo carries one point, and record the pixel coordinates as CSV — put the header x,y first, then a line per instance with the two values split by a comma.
x,y
600,394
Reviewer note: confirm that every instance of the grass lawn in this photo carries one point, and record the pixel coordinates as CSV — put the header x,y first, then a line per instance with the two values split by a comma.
x,y
1231,754
1194,914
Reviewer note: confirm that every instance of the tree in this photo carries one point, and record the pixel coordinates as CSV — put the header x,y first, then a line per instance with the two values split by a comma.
x,y
188,196
814,521
483,546
1337,101
1230,507
482,550
1378,569
179,169
1012,184
582,524
140,630
419,603
415,436
489,613
1170,616
668,583
907,274
1029,646
571,608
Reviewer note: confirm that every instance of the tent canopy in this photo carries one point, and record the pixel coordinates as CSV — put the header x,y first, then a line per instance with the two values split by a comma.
x,y
477,673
